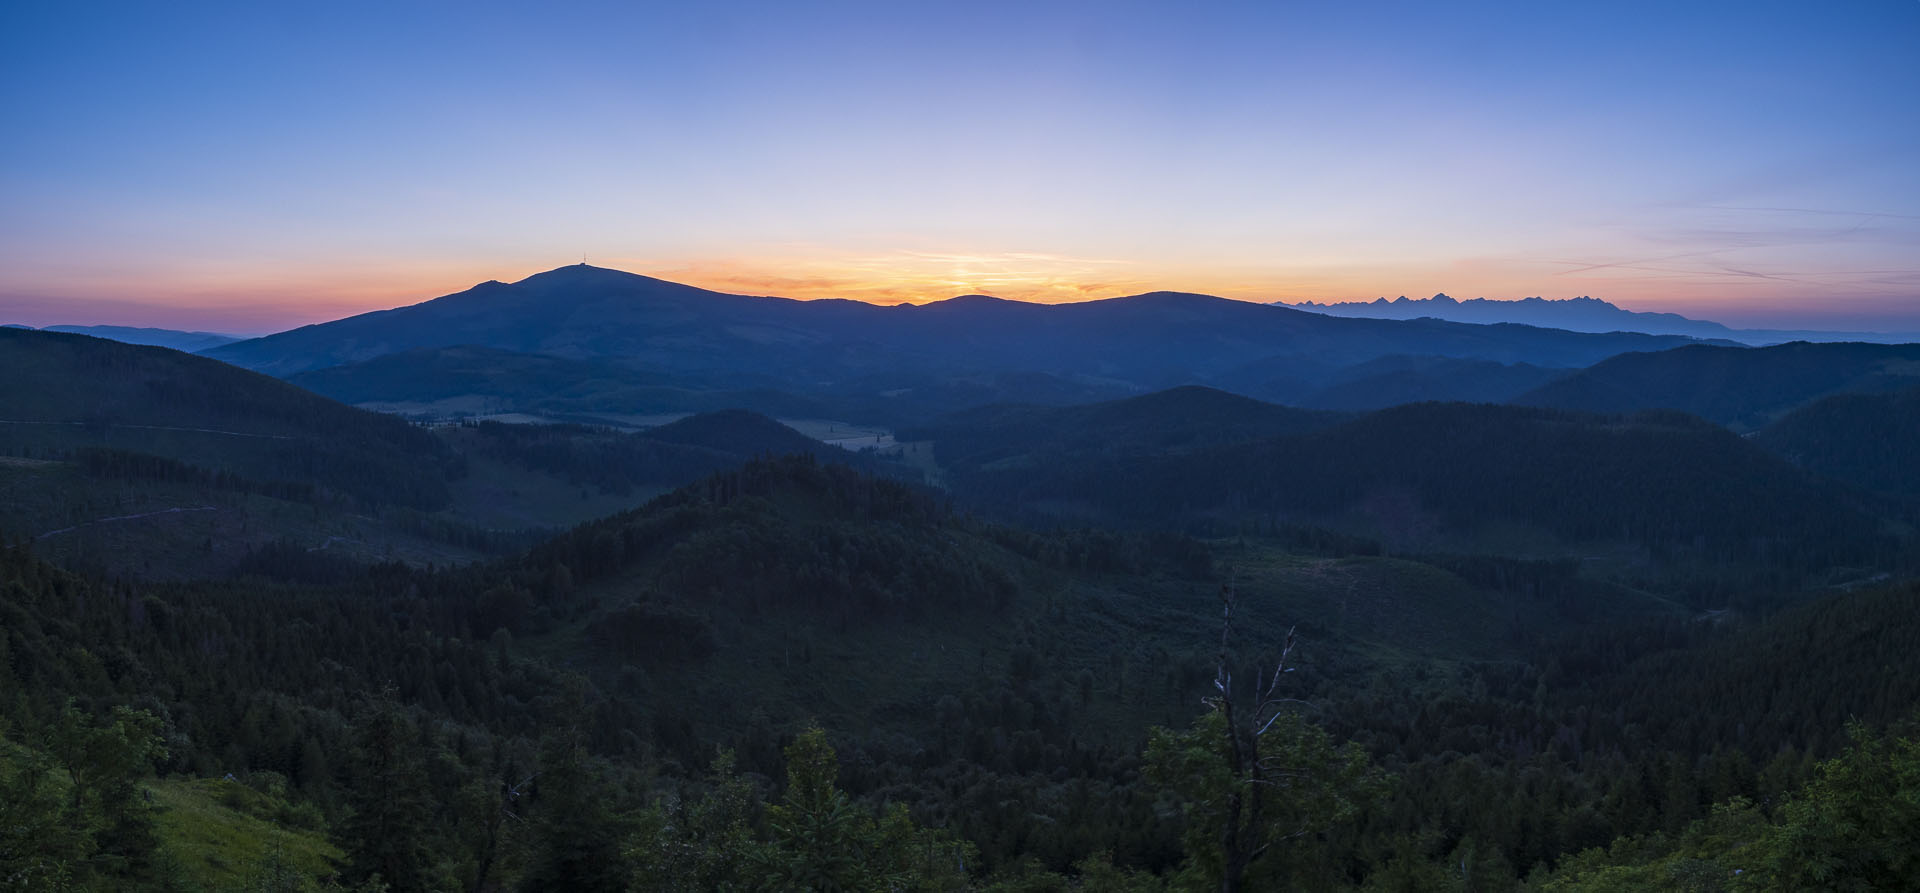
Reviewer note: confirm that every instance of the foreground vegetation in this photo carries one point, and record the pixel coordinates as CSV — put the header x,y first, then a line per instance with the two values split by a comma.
x,y
794,675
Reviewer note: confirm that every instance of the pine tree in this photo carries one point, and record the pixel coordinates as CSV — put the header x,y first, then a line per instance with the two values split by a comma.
x,y
386,835
579,840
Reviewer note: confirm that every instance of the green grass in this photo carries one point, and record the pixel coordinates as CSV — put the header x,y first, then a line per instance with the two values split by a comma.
x,y
223,833
219,834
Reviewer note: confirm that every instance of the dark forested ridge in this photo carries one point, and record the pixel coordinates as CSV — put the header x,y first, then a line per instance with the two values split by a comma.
x,y
1386,381
1871,441
1426,476
68,391
1179,419
148,462
1744,388
468,380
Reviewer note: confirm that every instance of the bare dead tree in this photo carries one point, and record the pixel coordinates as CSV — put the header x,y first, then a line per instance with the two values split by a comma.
x,y
1245,834
1253,776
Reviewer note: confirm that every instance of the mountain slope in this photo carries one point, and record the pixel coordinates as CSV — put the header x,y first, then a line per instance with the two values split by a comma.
x,y
1871,441
1582,314
468,380
71,391
1432,476
1180,419
190,342
1391,381
1744,388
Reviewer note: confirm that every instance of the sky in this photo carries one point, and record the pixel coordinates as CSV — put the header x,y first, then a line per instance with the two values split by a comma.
x,y
254,166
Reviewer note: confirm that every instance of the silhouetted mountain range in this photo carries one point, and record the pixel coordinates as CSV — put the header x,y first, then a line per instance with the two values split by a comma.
x,y
856,351
1582,314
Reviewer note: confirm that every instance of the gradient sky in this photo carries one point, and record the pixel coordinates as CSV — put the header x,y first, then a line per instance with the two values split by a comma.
x,y
253,166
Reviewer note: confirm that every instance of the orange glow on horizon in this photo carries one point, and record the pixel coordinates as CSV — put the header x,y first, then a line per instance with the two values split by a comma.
x,y
262,297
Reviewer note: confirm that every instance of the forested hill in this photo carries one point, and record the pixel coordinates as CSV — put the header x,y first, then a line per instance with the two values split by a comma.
x,y
1427,475
1178,419
650,461
1871,441
465,380
1744,388
69,392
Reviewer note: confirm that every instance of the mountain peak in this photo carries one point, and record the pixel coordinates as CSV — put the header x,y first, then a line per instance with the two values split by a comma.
x,y
573,274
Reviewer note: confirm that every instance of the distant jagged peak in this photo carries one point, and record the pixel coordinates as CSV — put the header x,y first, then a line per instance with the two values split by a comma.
x,y
1442,299
1580,314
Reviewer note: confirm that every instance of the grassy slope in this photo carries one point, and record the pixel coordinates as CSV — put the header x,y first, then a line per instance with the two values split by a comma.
x,y
220,833
223,833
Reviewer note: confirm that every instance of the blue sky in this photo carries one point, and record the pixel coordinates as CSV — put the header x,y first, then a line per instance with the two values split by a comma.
x,y
255,166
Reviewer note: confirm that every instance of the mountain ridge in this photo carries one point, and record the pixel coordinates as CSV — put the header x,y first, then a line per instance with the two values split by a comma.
x,y
851,349
1579,314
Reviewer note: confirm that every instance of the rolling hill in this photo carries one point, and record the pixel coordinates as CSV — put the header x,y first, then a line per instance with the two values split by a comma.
x,y
465,380
1449,477
149,462
1176,420
71,391
187,341
1871,441
1390,381
1743,388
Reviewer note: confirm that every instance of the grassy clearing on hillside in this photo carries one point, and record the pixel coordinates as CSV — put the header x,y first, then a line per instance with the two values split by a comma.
x,y
224,835
219,835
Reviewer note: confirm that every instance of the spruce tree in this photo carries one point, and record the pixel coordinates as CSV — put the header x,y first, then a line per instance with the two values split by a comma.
x,y
387,832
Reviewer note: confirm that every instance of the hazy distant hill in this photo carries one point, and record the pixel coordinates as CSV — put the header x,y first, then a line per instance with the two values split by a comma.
x,y
1869,440
1144,342
69,391
191,342
1582,314
1744,388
